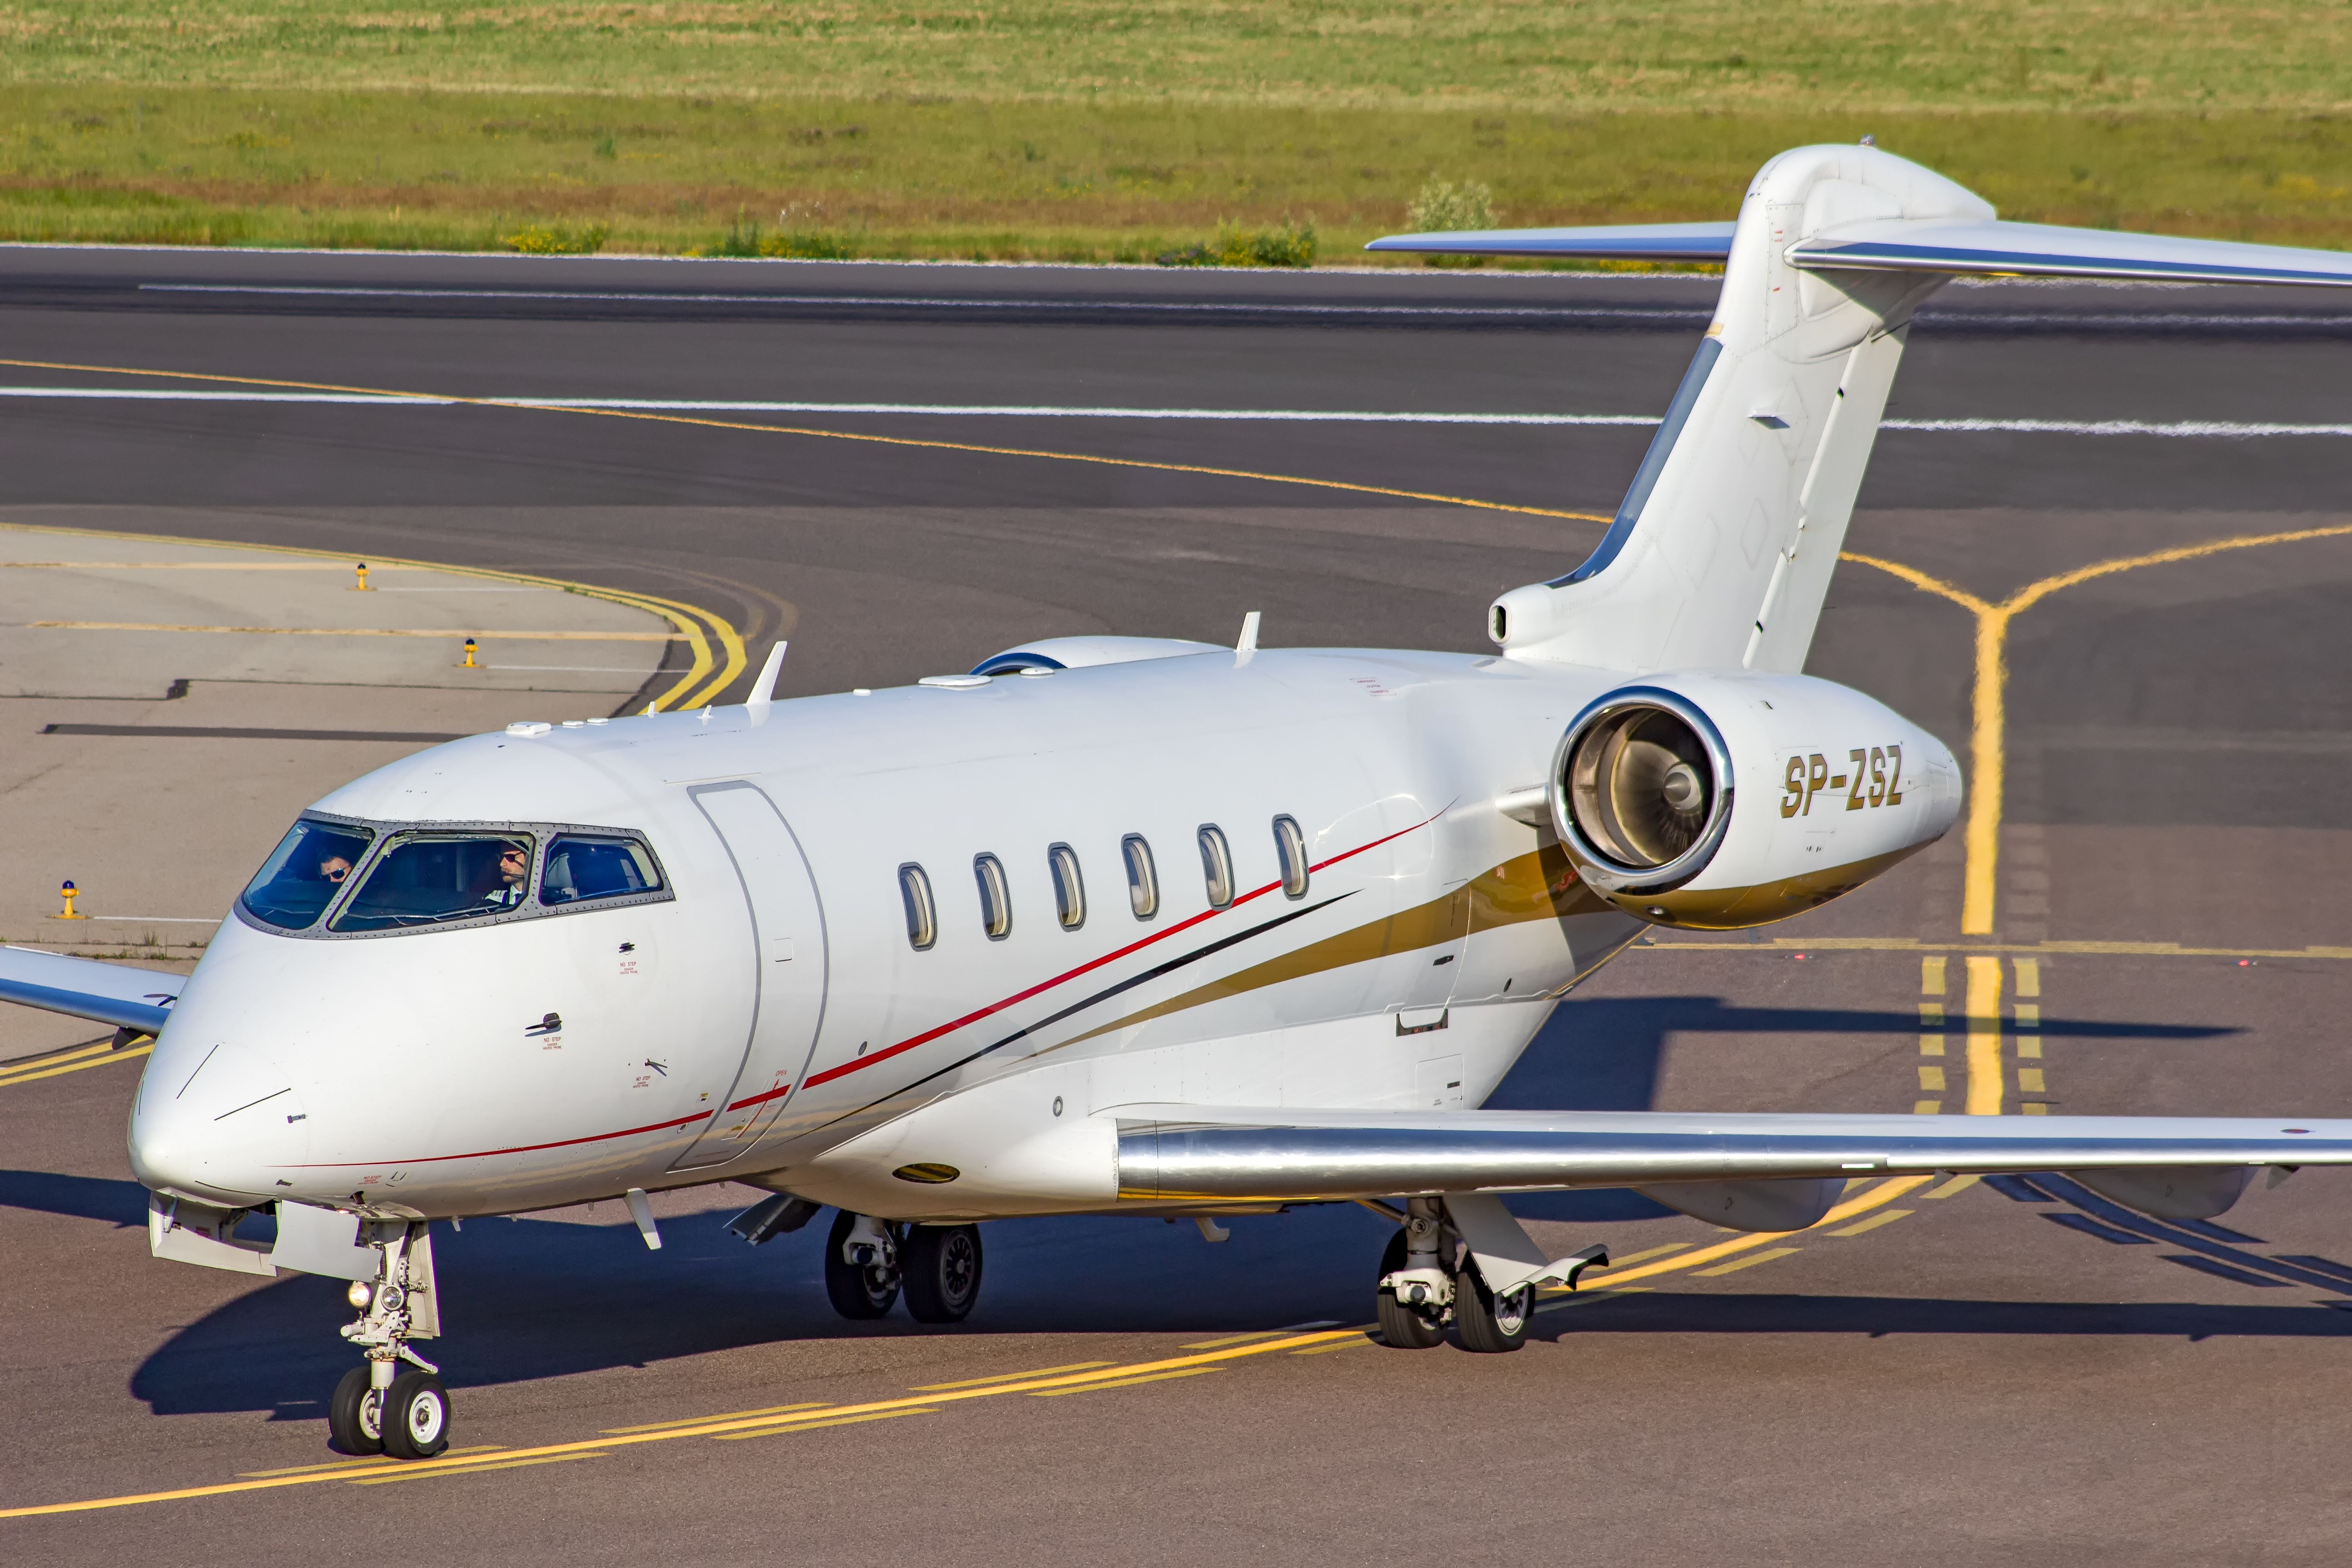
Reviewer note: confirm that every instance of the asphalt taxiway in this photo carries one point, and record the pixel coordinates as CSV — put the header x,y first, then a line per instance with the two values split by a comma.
x,y
1946,1372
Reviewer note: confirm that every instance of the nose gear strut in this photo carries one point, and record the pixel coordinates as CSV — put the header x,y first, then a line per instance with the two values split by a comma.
x,y
378,1407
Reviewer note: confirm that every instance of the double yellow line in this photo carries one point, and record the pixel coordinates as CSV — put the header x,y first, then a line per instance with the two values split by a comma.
x,y
78,1059
715,647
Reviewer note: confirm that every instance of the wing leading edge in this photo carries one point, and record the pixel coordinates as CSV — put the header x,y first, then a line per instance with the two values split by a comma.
x,y
1186,1152
114,994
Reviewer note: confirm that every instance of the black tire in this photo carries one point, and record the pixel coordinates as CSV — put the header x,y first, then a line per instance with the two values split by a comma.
x,y
1487,1323
355,1415
856,1293
415,1416
1401,1327
939,1267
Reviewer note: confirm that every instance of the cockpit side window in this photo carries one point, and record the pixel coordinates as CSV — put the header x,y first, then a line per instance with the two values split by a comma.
x,y
423,878
580,868
304,873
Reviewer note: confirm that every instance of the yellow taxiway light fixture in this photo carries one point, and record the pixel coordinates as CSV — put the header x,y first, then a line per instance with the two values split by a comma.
x,y
67,893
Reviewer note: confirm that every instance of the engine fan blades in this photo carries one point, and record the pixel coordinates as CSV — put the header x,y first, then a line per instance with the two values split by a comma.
x,y
1657,796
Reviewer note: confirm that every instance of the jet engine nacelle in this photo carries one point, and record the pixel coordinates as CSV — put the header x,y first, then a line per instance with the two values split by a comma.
x,y
1720,799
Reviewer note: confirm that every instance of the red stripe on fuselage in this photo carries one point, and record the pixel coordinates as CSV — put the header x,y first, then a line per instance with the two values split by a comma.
x,y
1018,997
517,1148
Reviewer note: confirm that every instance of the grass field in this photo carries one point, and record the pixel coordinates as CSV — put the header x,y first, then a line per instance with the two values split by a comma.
x,y
1100,129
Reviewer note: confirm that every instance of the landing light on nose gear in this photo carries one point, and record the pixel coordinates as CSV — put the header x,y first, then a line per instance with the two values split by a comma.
x,y
378,1408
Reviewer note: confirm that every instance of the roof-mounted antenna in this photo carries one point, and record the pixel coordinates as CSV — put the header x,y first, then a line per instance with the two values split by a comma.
x,y
763,689
1870,140
1249,634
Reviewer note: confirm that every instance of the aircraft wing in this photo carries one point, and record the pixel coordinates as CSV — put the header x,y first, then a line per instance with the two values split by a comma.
x,y
1292,1155
112,994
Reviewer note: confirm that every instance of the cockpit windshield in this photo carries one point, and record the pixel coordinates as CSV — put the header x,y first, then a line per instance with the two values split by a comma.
x,y
304,873
426,878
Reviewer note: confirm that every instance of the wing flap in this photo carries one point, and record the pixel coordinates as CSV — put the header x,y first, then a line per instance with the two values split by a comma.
x,y
1290,1156
113,994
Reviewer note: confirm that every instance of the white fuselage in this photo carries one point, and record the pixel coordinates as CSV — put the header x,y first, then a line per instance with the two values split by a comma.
x,y
773,1012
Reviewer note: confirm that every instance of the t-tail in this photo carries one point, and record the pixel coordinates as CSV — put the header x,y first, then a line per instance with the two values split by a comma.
x,y
1720,555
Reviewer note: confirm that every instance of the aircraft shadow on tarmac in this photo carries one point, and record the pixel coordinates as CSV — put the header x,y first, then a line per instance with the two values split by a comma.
x,y
530,1297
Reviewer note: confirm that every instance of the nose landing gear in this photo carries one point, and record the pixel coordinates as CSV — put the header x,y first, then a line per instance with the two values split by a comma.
x,y
377,1407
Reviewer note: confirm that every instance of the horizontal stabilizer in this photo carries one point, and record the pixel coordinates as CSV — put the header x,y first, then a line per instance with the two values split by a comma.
x,y
1293,1155
1964,248
112,994
1616,242
2041,250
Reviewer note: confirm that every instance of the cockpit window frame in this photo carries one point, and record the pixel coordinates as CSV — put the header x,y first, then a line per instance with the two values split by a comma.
x,y
387,833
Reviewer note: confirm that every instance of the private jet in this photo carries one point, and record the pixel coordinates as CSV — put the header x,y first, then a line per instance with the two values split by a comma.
x,y
1123,925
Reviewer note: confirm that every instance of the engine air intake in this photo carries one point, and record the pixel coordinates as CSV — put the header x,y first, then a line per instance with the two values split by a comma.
x,y
1644,790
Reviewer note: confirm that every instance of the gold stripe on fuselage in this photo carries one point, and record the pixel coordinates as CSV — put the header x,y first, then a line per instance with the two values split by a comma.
x,y
1539,885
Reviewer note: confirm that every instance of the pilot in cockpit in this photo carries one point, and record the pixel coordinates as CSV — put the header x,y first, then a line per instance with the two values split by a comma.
x,y
334,869
505,889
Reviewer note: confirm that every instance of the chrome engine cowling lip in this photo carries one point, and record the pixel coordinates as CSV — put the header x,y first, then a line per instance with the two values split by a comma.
x,y
1605,873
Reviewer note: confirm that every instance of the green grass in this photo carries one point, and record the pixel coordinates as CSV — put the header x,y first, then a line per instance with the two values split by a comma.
x,y
1098,130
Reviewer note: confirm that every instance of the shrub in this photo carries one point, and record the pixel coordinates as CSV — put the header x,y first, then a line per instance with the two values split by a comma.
x,y
1292,245
1444,207
535,239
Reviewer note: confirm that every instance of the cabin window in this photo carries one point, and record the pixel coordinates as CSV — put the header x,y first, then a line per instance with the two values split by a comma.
x,y
1069,887
1142,876
1216,866
995,897
1290,849
915,892
423,878
304,873
579,867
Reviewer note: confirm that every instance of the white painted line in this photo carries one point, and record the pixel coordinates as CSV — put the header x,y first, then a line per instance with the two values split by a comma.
x,y
2172,429
161,920
1664,313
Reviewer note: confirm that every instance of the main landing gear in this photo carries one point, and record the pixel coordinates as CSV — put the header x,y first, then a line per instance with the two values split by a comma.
x,y
869,1262
378,1407
1432,1278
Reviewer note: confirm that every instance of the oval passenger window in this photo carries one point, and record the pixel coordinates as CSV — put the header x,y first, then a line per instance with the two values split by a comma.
x,y
995,897
1069,887
1290,848
915,892
1216,866
1142,877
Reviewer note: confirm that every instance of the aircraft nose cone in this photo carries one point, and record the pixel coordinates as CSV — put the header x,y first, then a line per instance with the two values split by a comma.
x,y
224,1132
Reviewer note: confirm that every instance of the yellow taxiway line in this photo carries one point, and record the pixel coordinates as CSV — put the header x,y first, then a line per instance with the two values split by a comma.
x,y
760,1423
445,633
38,1067
1988,769
1861,1203
714,645
524,403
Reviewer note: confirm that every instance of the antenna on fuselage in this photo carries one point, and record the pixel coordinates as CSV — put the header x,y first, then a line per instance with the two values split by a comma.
x,y
763,690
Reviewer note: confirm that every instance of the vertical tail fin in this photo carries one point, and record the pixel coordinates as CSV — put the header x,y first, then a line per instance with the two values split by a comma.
x,y
1721,553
